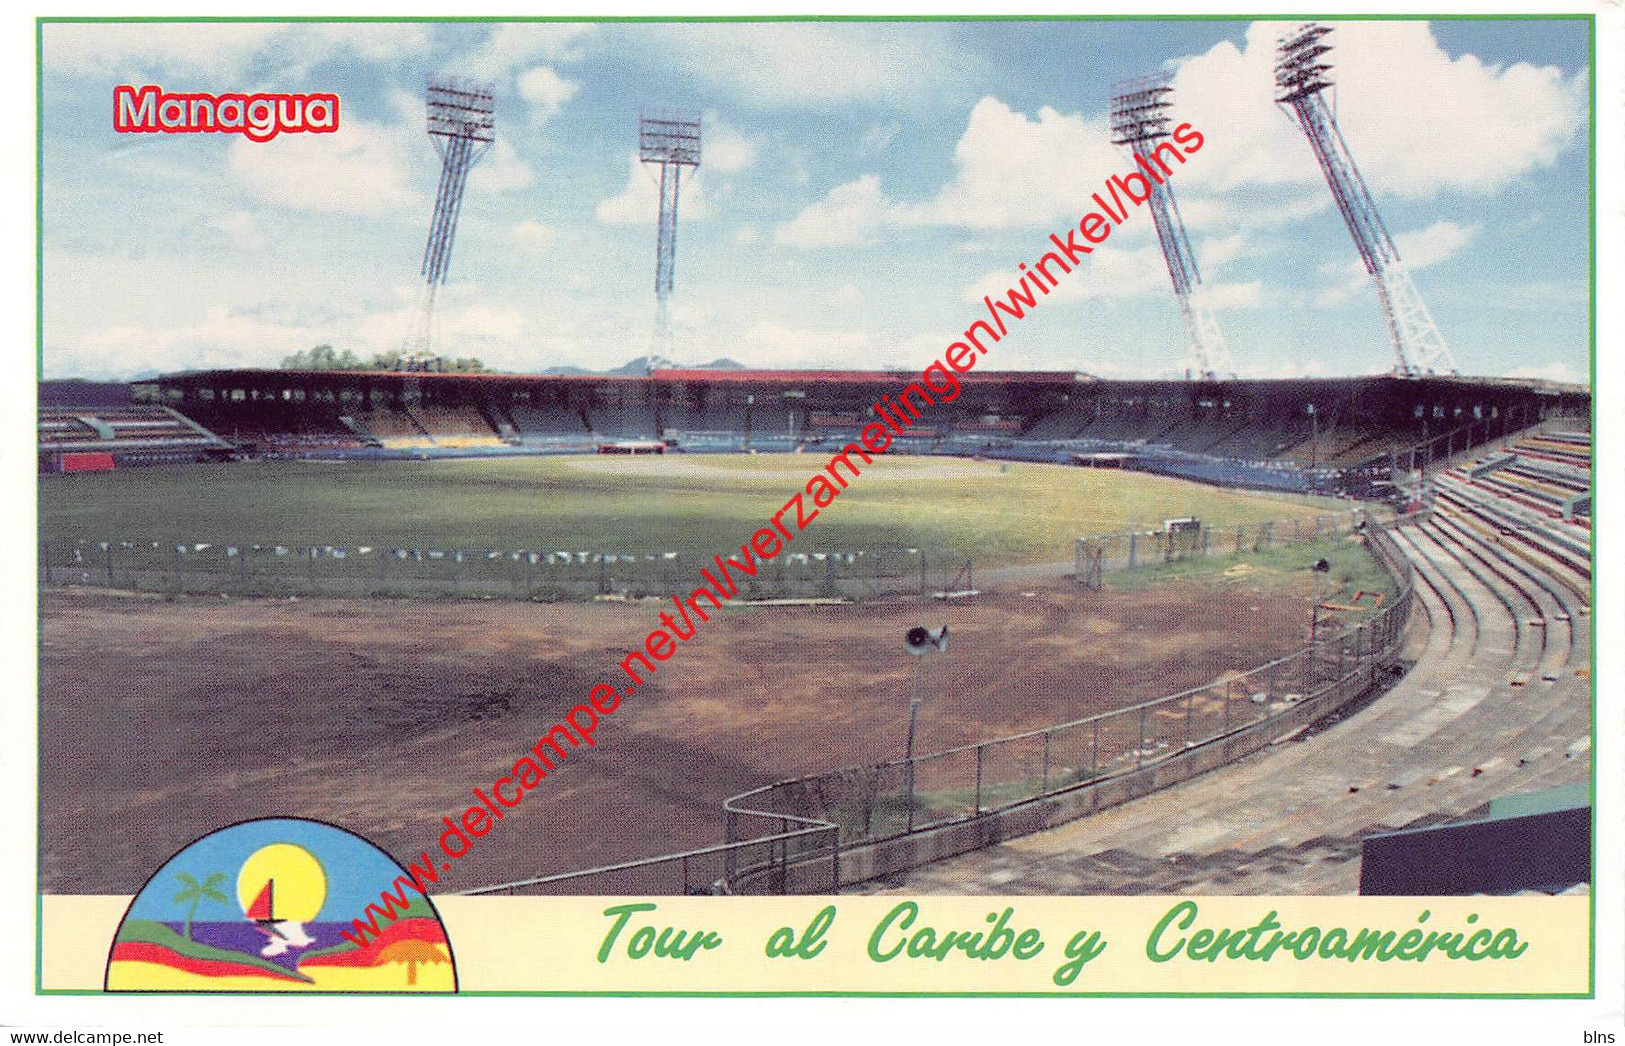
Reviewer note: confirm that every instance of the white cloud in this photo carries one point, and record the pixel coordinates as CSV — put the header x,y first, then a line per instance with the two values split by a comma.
x,y
770,343
1333,296
501,170
1418,248
221,50
1010,171
1416,120
221,338
878,137
1306,365
1401,96
815,63
846,294
369,41
1215,251
1222,296
546,92
1251,208
469,325
1013,171
1438,242
638,203
513,45
409,108
206,49
1558,371
725,149
358,169
241,229
849,215
532,236
1117,272
1121,272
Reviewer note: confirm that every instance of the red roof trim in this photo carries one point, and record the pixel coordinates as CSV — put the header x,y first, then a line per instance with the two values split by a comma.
x,y
769,377
860,376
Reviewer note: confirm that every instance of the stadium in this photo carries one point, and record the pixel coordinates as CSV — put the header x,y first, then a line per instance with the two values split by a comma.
x,y
1210,634
1500,587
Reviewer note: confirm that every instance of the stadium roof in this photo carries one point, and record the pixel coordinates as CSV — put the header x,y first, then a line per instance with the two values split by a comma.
x,y
784,377
759,376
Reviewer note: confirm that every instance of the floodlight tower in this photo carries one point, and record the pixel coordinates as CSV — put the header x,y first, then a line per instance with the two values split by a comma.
x,y
1140,117
671,140
462,126
1302,76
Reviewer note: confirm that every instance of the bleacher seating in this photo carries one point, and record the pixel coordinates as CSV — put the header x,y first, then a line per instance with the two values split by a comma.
x,y
1497,702
629,421
1524,479
689,417
550,423
282,428
131,434
454,426
395,428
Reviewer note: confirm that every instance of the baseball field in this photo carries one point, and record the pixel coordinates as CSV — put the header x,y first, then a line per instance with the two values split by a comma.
x,y
1000,513
167,716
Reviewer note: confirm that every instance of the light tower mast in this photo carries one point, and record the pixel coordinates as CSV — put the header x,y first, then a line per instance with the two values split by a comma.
x,y
1140,117
462,126
671,140
1302,76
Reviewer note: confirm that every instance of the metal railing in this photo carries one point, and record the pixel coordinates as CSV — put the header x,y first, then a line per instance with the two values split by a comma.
x,y
870,805
1448,449
759,864
791,836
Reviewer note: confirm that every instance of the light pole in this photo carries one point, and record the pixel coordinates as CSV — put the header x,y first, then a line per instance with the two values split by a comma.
x,y
1321,569
918,641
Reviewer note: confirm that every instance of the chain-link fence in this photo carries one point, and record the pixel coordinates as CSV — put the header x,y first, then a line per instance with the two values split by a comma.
x,y
789,856
1094,556
875,803
283,570
790,836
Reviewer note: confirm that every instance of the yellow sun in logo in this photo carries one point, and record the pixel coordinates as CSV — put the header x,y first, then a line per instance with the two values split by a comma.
x,y
298,884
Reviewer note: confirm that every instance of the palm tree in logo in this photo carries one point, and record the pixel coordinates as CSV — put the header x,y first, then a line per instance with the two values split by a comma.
x,y
196,893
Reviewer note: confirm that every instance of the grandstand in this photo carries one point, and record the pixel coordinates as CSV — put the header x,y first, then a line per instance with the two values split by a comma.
x,y
1496,702
1271,434
76,439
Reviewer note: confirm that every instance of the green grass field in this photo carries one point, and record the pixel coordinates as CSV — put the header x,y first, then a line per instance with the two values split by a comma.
x,y
1015,513
1352,569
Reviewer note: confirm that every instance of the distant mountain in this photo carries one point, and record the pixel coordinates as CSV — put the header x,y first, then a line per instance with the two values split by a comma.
x,y
642,365
568,370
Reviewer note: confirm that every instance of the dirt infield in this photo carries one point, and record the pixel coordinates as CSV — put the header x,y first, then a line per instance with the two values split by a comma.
x,y
162,720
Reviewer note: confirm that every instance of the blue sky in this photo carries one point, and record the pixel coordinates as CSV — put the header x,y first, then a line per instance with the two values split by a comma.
x,y
355,869
863,186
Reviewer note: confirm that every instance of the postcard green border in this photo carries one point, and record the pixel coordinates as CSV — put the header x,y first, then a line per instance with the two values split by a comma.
x,y
1591,149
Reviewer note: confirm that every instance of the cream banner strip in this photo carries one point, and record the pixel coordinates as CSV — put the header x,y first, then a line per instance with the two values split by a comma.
x,y
898,944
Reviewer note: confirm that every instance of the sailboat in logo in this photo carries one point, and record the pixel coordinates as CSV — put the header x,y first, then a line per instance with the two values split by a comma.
x,y
281,933
288,925
259,909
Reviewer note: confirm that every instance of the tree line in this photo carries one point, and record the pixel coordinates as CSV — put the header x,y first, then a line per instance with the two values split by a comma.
x,y
325,357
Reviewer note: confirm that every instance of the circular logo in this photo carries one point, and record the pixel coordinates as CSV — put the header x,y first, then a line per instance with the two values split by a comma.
x,y
281,904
